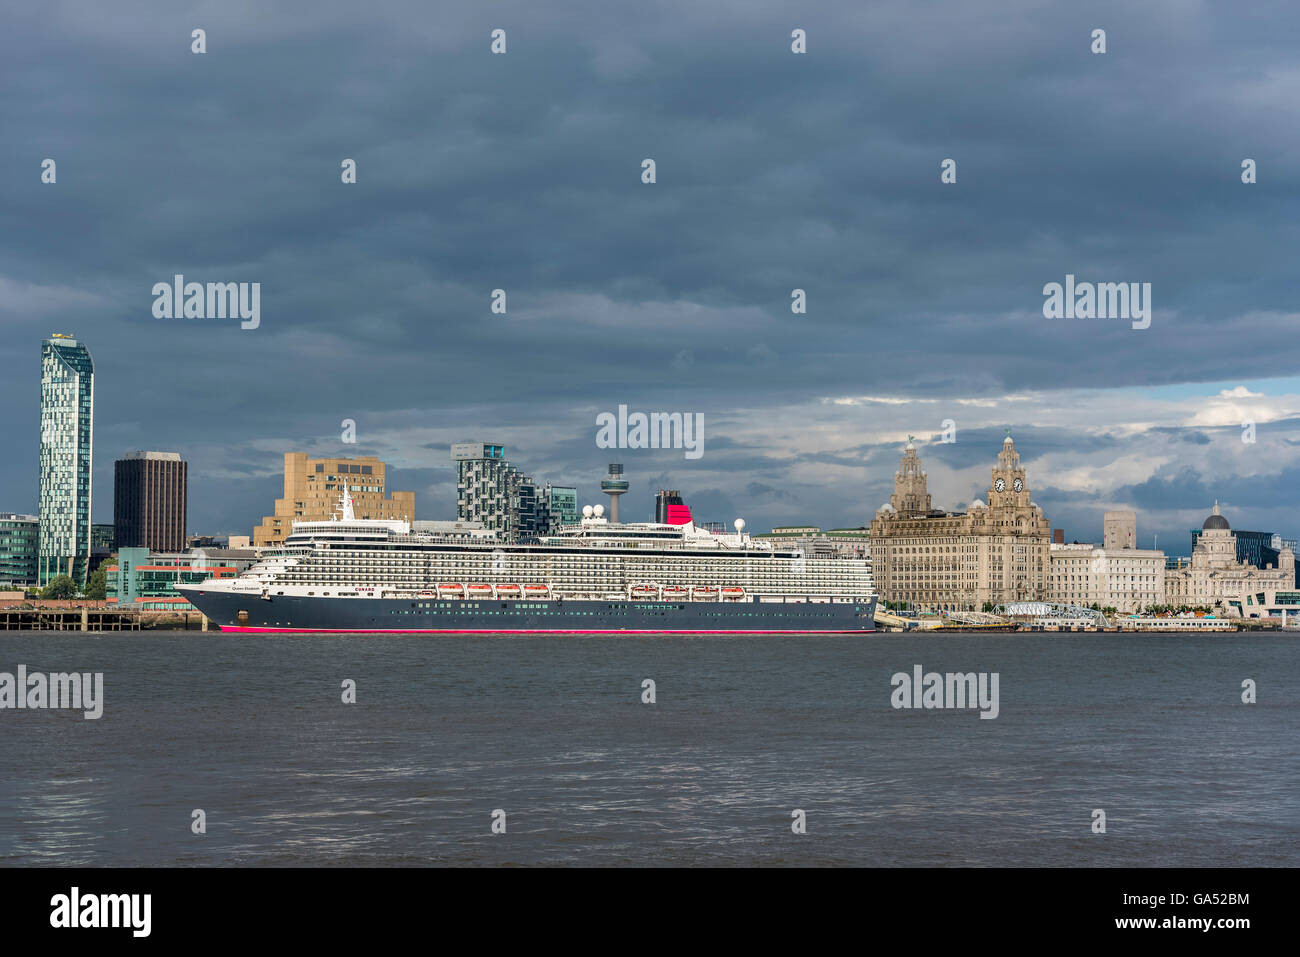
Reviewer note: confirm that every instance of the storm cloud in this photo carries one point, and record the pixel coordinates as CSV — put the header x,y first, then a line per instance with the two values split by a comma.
x,y
775,172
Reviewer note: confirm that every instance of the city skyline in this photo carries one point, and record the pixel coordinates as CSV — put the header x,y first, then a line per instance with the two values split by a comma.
x,y
942,448
711,497
924,299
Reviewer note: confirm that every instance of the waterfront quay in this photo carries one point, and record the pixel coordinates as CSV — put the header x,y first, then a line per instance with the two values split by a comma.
x,y
40,616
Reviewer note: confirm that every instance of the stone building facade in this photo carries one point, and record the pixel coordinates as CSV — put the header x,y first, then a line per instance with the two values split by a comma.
x,y
1129,580
1216,579
947,561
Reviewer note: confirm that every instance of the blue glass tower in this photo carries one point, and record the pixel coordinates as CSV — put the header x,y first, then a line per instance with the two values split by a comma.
x,y
67,416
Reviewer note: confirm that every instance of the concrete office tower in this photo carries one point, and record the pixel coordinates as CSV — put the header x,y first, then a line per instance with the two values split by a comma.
x,y
311,494
614,485
1119,530
149,501
67,418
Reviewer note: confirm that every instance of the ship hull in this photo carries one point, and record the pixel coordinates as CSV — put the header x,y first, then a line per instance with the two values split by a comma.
x,y
393,616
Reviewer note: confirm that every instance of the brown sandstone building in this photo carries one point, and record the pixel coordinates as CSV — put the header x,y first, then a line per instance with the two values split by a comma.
x,y
951,561
312,488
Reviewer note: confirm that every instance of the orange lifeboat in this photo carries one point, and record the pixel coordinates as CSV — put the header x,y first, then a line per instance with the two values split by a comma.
x,y
451,591
733,593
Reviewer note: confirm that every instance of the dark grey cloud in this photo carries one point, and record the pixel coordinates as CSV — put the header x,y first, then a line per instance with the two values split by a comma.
x,y
522,172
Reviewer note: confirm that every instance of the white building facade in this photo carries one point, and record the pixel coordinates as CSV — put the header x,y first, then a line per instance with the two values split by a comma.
x,y
1126,579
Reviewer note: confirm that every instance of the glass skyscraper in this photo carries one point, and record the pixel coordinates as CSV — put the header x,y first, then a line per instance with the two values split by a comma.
x,y
67,415
17,550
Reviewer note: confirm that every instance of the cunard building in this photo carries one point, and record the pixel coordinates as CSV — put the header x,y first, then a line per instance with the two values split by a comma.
x,y
946,561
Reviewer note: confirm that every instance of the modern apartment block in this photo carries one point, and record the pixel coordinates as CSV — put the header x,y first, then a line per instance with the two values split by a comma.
x,y
487,487
312,488
18,534
149,501
67,419
492,491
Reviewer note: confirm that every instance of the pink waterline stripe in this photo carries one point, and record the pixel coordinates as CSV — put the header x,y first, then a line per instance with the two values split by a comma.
x,y
518,631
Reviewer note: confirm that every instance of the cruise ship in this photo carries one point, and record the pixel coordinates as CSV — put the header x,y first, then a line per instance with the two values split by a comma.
x,y
593,578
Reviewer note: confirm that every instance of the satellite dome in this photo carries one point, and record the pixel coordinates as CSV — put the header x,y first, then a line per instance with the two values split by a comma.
x,y
598,510
740,524
587,511
1216,520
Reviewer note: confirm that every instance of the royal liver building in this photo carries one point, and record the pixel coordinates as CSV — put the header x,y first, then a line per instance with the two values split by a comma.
x,y
948,561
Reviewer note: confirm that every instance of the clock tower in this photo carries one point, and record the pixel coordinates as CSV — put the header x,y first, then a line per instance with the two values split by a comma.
x,y
910,496
940,561
1009,488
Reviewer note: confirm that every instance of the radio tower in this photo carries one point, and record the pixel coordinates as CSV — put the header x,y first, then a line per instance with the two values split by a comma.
x,y
613,485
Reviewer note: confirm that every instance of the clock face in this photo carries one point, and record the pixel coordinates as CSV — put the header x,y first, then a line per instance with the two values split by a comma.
x,y
1000,485
1018,485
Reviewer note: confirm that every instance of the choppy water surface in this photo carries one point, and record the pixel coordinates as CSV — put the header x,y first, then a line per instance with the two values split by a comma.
x,y
553,731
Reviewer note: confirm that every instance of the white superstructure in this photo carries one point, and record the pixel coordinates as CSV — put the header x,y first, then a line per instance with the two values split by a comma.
x,y
594,559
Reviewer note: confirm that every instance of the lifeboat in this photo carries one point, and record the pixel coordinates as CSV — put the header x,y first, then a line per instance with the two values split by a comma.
x,y
536,591
509,591
733,593
451,591
705,592
645,591
480,591
676,591
426,594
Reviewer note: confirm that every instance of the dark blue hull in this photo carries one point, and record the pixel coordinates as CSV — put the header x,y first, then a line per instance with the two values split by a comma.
x,y
282,613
